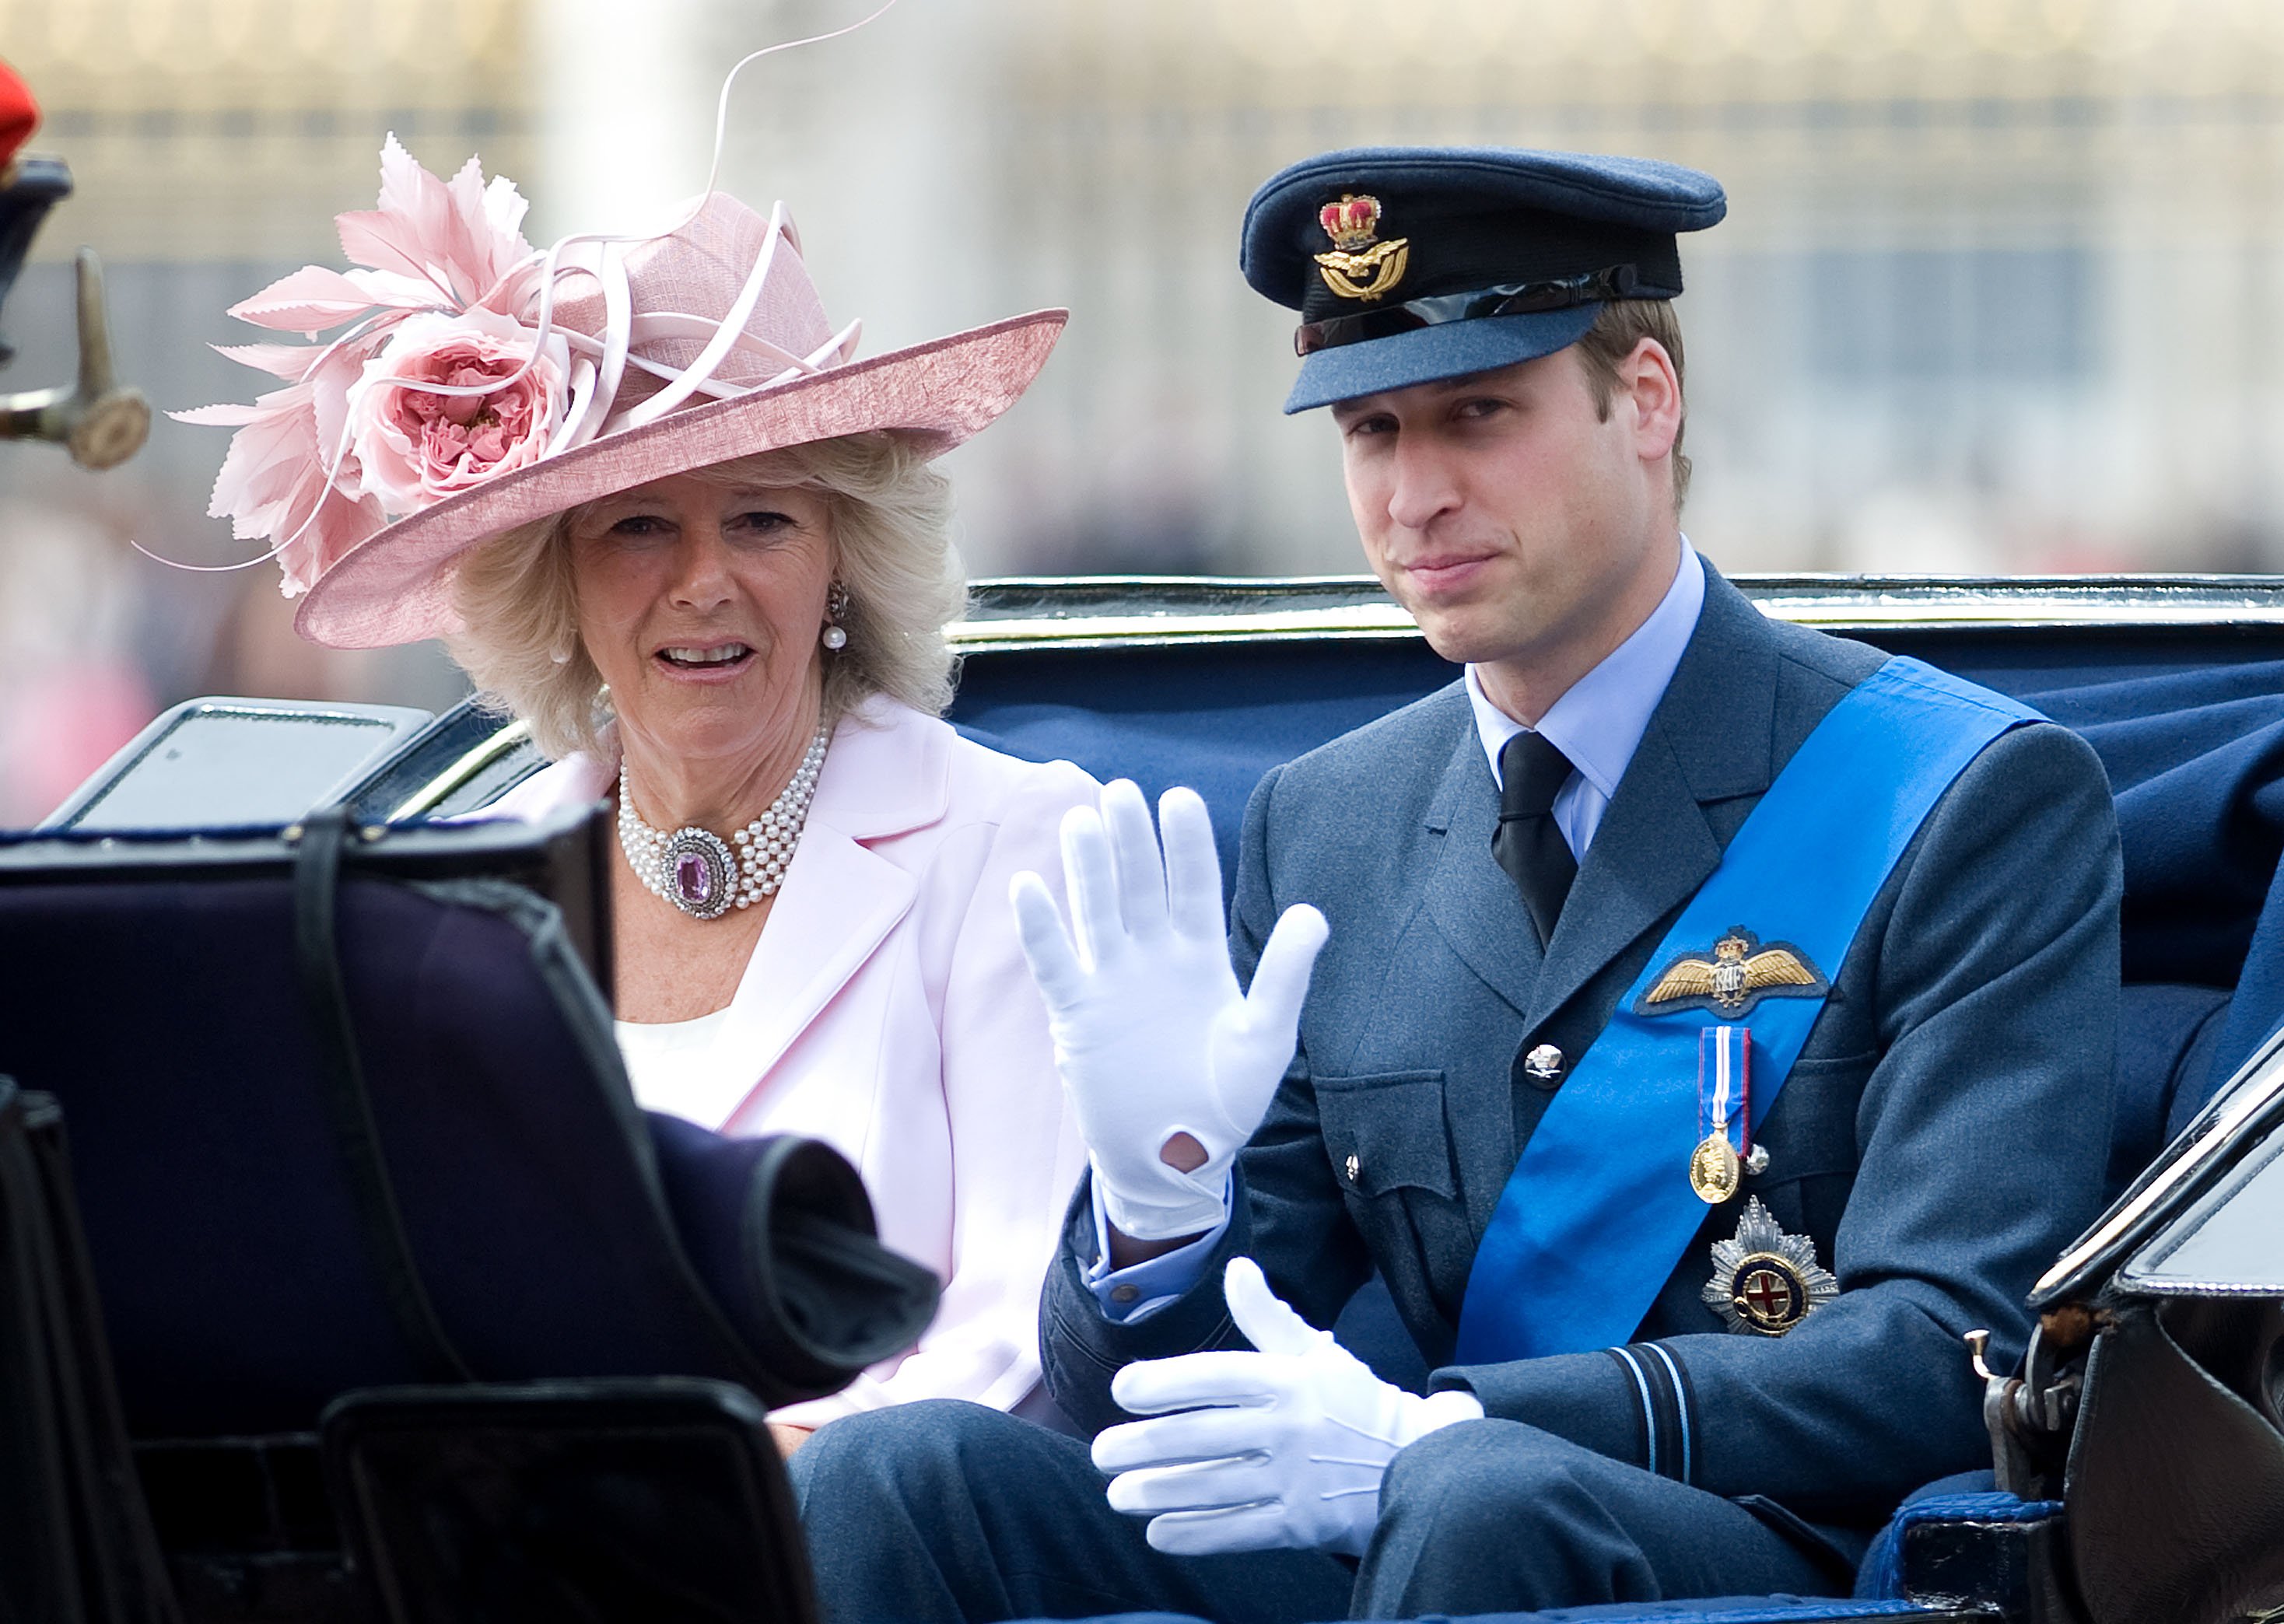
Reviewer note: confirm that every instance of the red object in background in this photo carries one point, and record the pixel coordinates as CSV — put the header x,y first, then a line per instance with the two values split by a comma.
x,y
20,114
56,730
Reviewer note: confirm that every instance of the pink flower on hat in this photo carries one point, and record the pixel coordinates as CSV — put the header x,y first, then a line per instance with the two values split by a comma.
x,y
416,446
466,375
432,250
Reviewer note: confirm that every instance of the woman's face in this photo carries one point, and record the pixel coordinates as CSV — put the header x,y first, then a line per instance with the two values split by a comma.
x,y
700,604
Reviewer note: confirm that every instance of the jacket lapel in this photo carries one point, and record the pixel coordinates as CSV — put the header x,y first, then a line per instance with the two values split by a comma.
x,y
841,900
1473,901
838,904
1710,738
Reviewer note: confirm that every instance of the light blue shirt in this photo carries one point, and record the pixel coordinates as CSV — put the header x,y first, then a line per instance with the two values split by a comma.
x,y
1598,725
1600,720
1127,1293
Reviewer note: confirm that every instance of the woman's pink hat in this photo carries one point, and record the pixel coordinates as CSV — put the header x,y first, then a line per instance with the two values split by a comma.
x,y
480,384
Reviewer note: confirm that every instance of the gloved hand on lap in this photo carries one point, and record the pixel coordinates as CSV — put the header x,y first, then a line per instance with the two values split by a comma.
x,y
1153,1038
1280,1449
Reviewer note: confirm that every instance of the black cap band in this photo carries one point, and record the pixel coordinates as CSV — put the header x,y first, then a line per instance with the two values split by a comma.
x,y
1457,250
1508,299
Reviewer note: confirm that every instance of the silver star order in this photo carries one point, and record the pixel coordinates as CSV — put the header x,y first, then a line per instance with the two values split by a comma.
x,y
1760,1235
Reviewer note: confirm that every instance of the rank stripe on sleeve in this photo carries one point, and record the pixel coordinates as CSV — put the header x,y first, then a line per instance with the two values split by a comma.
x,y
1683,1398
1649,1433
1664,1394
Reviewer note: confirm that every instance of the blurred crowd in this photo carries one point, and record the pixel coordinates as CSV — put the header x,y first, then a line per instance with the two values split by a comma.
x,y
1995,294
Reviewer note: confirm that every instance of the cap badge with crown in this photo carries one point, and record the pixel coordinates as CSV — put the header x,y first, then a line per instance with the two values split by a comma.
x,y
1359,266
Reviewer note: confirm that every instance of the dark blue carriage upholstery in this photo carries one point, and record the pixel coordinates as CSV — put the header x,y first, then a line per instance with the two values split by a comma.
x,y
2190,727
2196,760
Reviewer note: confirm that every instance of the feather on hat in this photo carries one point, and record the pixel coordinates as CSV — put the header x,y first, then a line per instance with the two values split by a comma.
x,y
478,384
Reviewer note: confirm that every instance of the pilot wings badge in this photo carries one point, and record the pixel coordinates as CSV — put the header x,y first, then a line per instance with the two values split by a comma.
x,y
1742,970
1764,1281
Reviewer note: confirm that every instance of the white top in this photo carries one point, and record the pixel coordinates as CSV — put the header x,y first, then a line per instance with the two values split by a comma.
x,y
1600,720
887,1010
662,1055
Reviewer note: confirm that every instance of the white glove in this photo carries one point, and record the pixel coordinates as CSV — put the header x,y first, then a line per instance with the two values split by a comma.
x,y
1151,1036
1290,1455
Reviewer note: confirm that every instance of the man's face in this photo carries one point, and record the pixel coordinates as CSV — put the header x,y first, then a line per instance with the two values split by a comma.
x,y
1512,519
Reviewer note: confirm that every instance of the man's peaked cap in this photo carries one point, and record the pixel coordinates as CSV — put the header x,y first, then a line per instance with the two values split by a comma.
x,y
1413,264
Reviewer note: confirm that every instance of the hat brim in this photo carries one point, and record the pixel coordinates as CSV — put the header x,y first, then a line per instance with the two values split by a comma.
x,y
1432,355
395,586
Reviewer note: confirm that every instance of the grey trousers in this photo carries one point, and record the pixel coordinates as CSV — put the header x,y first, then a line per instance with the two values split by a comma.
x,y
946,1510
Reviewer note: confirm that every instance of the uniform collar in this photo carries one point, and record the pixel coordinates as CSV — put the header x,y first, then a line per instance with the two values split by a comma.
x,y
1599,720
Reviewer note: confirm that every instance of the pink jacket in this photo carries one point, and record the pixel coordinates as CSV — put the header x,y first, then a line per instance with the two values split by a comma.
x,y
887,1010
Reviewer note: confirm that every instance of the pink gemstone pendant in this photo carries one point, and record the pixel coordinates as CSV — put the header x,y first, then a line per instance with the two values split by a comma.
x,y
702,873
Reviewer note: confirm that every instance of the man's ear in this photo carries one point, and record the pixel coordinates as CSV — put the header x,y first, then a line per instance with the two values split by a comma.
x,y
1647,378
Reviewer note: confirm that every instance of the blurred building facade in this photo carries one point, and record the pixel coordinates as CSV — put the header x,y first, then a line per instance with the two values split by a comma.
x,y
1996,293
211,142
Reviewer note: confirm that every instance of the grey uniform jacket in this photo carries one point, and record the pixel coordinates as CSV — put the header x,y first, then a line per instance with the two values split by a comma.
x,y
1941,1137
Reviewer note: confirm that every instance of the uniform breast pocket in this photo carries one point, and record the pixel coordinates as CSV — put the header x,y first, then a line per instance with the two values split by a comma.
x,y
1386,1133
1811,1127
1811,1137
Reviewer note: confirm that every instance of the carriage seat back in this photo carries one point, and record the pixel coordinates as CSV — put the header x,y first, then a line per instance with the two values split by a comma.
x,y
397,1145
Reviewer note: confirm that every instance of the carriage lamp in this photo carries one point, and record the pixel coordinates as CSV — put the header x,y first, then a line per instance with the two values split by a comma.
x,y
101,421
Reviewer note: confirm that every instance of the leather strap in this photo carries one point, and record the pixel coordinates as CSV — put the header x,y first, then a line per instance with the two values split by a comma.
x,y
317,874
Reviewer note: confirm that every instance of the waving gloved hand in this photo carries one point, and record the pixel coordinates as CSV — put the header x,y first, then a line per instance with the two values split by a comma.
x,y
1289,1448
1152,1036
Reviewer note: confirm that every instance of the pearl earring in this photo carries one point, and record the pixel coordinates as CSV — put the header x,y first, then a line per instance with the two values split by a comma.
x,y
836,608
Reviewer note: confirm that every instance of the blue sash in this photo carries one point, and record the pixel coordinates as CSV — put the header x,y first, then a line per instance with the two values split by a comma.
x,y
1599,1209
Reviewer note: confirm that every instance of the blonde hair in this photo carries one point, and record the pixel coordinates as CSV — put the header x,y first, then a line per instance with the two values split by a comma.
x,y
892,552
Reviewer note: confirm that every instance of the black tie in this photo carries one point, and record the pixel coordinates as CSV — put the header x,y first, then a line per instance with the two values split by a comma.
x,y
1528,845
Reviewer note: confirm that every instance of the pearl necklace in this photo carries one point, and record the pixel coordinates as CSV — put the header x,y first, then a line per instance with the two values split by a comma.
x,y
694,868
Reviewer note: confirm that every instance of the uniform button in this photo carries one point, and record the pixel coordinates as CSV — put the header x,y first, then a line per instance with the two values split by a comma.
x,y
1543,1065
1352,1169
1124,1294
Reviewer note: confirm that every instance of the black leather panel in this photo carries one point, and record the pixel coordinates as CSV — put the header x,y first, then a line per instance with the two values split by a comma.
x,y
2174,1488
